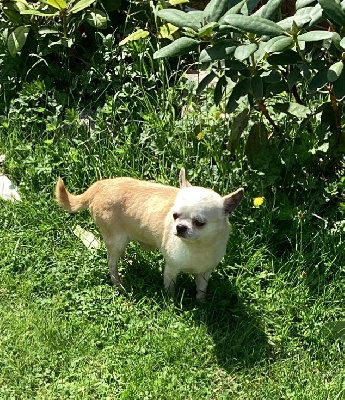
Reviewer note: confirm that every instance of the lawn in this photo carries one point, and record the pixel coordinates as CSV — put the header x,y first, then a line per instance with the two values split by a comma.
x,y
271,327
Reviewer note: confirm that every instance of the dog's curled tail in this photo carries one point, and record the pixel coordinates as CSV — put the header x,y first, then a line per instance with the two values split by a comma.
x,y
68,201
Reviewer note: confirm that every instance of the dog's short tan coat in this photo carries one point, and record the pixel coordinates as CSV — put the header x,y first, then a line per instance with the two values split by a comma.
x,y
189,225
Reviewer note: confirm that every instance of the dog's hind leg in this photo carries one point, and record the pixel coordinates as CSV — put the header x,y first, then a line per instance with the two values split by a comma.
x,y
116,246
201,281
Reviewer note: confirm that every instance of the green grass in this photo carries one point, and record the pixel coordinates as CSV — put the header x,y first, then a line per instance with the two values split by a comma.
x,y
265,332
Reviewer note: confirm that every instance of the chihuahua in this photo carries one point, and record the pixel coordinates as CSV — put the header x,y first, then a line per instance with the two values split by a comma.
x,y
188,225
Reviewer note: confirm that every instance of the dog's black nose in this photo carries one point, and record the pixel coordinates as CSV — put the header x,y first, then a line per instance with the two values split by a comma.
x,y
180,228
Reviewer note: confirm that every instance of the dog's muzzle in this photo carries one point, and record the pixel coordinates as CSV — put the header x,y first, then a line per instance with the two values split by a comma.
x,y
181,230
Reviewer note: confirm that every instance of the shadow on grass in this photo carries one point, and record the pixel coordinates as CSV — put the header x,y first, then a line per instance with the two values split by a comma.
x,y
239,339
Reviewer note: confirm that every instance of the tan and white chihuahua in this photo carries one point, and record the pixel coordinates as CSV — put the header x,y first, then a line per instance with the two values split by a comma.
x,y
188,225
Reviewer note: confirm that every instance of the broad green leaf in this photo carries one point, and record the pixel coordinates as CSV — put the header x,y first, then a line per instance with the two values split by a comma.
x,y
245,51
257,25
287,58
205,82
276,88
279,43
17,39
219,51
12,15
318,81
299,20
81,5
58,4
295,109
233,10
257,87
303,3
177,2
166,31
139,34
240,90
335,71
314,36
39,13
333,10
272,76
269,10
208,29
179,18
219,90
238,125
339,86
256,146
342,43
97,18
215,9
177,48
45,30
316,15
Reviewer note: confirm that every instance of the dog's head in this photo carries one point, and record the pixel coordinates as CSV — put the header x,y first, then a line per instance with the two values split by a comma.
x,y
199,213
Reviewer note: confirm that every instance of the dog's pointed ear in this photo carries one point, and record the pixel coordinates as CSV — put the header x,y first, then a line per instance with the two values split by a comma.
x,y
182,178
232,200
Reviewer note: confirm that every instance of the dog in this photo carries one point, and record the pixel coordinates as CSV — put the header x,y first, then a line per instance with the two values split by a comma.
x,y
189,225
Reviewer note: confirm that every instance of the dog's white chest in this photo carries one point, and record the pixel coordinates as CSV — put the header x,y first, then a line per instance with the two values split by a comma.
x,y
193,257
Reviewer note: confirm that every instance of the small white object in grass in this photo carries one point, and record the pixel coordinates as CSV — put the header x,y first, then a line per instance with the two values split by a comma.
x,y
8,191
87,238
2,158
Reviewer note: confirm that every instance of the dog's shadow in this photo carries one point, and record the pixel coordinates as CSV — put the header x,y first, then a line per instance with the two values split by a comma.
x,y
238,336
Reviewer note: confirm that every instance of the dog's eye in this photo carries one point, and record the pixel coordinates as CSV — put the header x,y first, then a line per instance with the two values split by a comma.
x,y
176,215
197,222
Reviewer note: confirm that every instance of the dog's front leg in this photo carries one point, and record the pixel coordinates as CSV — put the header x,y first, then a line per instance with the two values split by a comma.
x,y
170,275
201,281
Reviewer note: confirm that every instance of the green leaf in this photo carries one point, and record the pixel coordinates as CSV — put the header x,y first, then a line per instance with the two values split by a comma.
x,y
287,58
137,35
97,18
81,5
318,81
278,44
257,87
177,48
208,29
179,18
256,146
244,51
276,88
253,24
314,36
39,13
58,4
316,15
17,39
295,109
233,10
303,3
333,10
339,86
166,31
238,125
177,2
220,51
205,82
219,90
215,9
342,43
240,90
269,10
335,71
298,20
